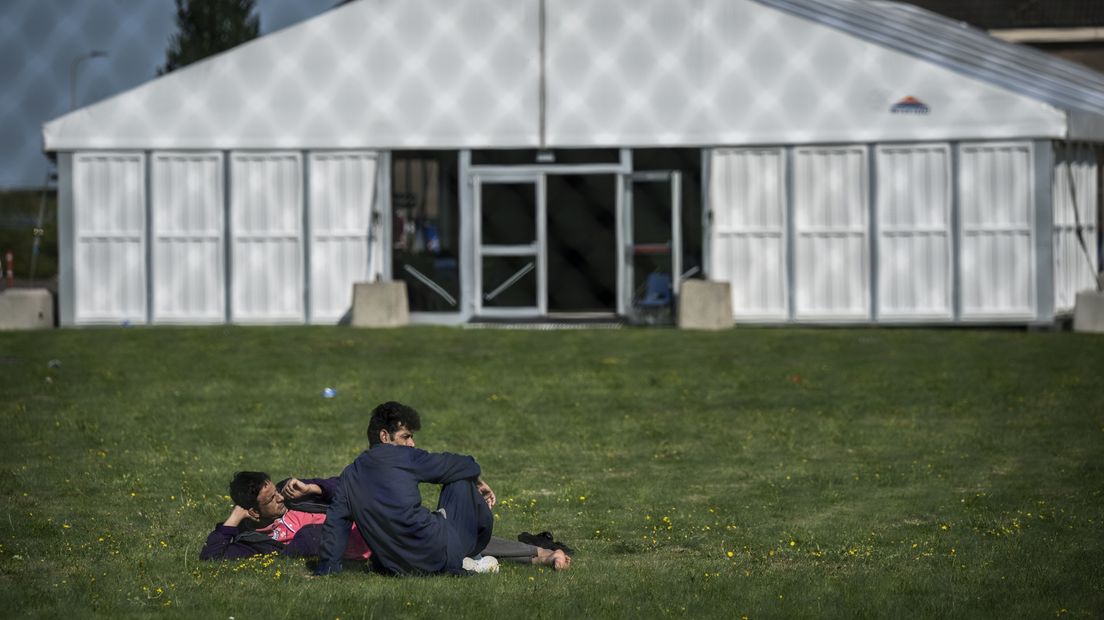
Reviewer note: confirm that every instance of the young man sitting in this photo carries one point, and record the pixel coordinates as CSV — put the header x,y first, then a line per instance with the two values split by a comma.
x,y
379,493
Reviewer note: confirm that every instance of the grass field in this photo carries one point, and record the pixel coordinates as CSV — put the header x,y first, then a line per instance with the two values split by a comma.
x,y
760,473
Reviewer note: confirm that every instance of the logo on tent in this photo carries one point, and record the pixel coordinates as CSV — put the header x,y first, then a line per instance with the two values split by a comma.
x,y
910,105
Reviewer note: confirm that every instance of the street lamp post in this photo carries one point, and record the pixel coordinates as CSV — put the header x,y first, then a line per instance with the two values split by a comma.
x,y
73,73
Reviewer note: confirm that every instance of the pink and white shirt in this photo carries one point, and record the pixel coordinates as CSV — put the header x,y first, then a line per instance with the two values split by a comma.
x,y
286,527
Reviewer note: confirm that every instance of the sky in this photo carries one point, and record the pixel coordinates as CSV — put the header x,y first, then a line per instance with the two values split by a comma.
x,y
41,39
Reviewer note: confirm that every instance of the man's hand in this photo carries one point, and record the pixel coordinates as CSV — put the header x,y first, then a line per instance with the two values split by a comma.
x,y
486,492
237,515
296,488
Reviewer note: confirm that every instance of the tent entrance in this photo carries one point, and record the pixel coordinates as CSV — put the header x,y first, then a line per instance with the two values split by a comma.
x,y
545,244
582,242
572,234
510,242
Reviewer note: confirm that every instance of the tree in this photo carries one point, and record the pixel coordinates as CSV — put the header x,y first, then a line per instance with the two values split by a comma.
x,y
207,27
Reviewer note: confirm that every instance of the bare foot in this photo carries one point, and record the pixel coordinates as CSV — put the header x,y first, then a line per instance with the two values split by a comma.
x,y
560,560
557,559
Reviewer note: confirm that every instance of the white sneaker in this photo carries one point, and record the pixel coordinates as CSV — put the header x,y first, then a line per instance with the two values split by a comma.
x,y
485,564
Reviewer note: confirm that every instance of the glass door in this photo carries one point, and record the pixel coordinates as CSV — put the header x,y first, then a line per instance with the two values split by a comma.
x,y
651,238
510,241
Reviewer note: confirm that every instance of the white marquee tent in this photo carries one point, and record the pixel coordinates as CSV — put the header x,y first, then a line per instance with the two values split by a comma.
x,y
858,161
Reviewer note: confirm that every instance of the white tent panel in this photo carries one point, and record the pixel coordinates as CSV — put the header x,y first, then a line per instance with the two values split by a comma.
x,y
747,196
187,228
831,244
997,207
915,279
372,73
266,227
1071,87
109,204
342,190
431,74
738,72
1074,268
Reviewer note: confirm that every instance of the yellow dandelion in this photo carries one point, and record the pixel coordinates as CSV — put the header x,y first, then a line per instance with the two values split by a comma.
x,y
729,553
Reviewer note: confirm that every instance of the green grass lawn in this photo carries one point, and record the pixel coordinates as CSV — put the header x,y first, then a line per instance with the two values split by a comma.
x,y
761,473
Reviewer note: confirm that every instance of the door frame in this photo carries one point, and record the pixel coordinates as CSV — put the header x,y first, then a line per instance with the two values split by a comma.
x,y
626,244
538,249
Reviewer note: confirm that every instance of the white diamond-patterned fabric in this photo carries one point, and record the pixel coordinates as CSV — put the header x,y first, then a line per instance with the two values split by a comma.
x,y
395,73
382,74
700,72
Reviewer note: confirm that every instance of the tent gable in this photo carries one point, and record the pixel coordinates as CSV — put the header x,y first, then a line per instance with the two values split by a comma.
x,y
470,74
739,72
370,73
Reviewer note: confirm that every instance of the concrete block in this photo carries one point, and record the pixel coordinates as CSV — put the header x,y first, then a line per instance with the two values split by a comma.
x,y
380,304
26,308
705,305
1088,312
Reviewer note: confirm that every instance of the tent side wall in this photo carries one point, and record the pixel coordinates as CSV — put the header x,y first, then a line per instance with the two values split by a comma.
x,y
915,268
104,232
889,233
187,235
1076,260
200,237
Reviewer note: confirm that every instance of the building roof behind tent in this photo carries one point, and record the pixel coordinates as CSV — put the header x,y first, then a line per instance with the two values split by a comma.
x,y
1014,14
959,47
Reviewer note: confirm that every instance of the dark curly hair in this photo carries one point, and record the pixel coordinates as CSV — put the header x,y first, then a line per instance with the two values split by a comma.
x,y
392,416
246,486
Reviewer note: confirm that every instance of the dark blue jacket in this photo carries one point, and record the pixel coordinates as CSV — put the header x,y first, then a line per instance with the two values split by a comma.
x,y
379,492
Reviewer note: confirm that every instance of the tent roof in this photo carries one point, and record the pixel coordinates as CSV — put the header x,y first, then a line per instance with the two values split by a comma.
x,y
564,73
959,47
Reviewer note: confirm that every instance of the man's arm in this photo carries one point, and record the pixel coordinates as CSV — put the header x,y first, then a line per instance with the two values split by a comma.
x,y
443,467
295,488
326,487
335,533
220,543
